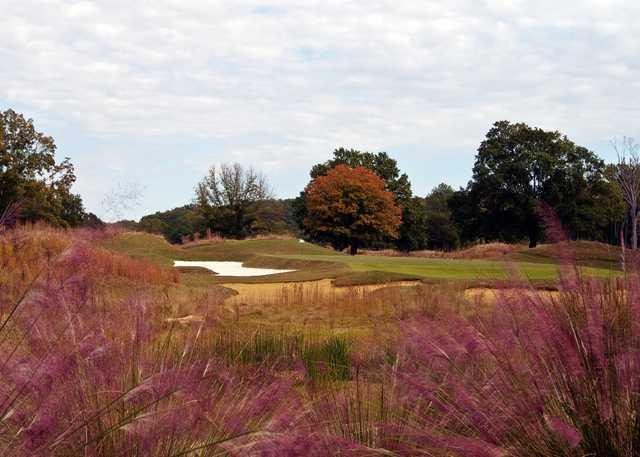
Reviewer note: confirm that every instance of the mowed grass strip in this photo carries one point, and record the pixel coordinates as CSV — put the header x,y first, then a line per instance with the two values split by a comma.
x,y
450,269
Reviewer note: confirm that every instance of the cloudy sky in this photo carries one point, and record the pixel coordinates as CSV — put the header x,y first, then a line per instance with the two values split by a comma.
x,y
150,93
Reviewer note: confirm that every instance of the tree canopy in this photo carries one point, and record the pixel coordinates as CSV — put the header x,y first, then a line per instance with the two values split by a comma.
x,y
226,195
32,178
627,174
441,230
380,163
518,167
351,206
384,166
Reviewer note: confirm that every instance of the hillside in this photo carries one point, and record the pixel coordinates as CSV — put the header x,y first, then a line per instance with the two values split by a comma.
x,y
586,253
313,262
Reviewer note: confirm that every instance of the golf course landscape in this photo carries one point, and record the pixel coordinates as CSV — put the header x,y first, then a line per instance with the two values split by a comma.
x,y
319,229
313,262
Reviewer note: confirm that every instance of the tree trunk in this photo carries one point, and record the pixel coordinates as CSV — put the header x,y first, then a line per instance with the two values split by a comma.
x,y
353,250
634,229
533,237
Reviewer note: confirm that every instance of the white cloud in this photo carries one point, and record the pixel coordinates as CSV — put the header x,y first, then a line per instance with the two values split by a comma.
x,y
306,76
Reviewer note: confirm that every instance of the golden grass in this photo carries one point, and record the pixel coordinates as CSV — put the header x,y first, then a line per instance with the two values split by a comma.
x,y
487,296
494,250
321,304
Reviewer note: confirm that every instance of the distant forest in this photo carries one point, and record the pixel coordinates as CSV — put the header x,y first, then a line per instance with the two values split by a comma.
x,y
518,171
360,199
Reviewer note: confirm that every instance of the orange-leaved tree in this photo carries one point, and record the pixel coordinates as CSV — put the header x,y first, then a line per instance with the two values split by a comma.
x,y
349,206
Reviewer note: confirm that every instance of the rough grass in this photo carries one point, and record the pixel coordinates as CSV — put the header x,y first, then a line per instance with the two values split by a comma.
x,y
586,253
109,356
321,305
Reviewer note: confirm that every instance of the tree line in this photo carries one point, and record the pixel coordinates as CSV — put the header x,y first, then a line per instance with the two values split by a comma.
x,y
358,199
34,185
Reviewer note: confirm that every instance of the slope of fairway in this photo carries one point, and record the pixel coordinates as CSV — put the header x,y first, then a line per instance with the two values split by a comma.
x,y
586,253
246,249
253,253
449,269
313,262
157,249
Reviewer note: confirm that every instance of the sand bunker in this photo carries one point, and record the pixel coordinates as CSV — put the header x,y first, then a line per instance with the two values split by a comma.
x,y
228,268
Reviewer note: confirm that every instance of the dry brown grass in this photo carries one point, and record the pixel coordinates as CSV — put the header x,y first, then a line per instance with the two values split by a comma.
x,y
320,303
486,296
486,251
479,251
214,238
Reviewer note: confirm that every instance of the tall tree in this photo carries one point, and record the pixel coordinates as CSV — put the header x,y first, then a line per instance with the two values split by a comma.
x,y
349,207
441,230
516,168
380,163
386,168
226,194
628,177
413,230
31,176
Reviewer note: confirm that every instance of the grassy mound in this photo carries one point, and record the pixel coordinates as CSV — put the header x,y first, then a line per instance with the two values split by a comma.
x,y
313,262
585,253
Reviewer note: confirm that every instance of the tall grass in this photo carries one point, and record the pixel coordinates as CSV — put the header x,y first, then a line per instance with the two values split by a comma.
x,y
87,373
538,375
95,362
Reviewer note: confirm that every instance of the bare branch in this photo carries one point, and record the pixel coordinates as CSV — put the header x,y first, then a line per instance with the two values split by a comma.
x,y
628,177
232,186
121,199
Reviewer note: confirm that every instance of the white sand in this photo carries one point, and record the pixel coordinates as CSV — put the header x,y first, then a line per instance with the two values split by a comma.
x,y
228,268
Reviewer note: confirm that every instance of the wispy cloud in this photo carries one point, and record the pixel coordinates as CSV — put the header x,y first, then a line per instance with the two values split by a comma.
x,y
281,84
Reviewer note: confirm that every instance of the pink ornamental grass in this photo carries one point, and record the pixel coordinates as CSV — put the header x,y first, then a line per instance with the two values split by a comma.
x,y
84,372
538,375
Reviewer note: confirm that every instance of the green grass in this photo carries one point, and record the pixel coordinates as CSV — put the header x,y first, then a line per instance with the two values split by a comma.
x,y
144,246
447,269
246,249
587,253
253,253
314,262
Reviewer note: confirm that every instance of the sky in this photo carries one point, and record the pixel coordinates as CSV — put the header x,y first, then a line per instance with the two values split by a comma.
x,y
149,94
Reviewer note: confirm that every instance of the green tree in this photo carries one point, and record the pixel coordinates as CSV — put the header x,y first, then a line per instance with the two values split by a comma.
x,y
442,232
226,195
518,167
31,177
413,230
269,217
175,223
152,224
